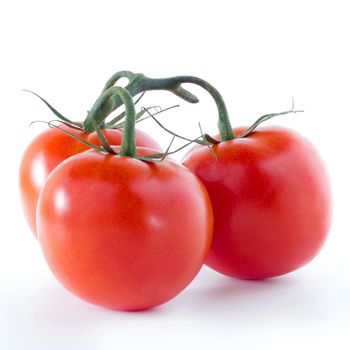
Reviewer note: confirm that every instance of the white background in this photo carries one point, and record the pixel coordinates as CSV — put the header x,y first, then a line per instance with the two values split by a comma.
x,y
258,54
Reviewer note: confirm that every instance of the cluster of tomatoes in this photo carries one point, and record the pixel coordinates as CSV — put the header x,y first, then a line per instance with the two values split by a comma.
x,y
127,228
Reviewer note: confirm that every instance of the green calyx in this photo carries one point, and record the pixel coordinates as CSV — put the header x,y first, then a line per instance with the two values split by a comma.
x,y
113,97
266,117
128,146
209,141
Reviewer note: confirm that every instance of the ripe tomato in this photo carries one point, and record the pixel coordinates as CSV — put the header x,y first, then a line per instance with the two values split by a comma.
x,y
271,202
123,233
49,149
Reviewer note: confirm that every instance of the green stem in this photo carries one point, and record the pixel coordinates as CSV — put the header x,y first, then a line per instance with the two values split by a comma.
x,y
128,146
100,110
139,83
117,76
108,106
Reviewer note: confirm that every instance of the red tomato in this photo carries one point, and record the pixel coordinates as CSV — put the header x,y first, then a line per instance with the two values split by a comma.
x,y
123,233
49,149
271,202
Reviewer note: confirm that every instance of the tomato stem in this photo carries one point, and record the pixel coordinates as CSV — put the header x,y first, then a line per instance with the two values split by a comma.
x,y
128,146
140,83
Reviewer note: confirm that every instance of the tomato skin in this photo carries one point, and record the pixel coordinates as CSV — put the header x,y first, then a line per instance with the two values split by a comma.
x,y
49,149
123,233
271,201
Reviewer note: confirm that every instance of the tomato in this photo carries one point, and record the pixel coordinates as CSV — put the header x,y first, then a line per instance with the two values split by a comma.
x,y
271,201
48,150
124,233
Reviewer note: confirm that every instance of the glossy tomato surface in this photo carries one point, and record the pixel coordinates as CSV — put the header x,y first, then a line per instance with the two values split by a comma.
x,y
124,233
49,149
271,201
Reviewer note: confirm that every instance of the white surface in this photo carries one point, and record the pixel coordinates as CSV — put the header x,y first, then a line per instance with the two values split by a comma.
x,y
259,55
302,309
